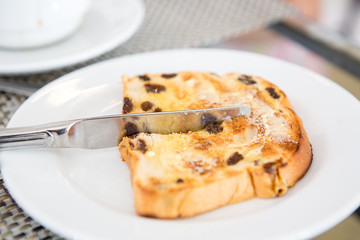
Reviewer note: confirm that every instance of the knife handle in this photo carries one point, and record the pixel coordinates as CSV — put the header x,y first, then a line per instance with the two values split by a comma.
x,y
16,138
46,135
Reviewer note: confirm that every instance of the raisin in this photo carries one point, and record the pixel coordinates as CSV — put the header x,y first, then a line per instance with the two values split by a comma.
x,y
213,128
270,167
207,118
128,106
272,93
247,80
146,106
234,159
283,165
168,75
144,78
133,136
157,109
179,180
131,129
155,88
141,144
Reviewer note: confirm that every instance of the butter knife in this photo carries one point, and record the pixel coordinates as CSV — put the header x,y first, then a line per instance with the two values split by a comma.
x,y
107,131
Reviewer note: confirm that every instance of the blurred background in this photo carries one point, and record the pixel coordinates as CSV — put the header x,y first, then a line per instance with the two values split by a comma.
x,y
341,16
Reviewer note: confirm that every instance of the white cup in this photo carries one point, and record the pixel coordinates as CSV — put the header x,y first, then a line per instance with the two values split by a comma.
x,y
34,23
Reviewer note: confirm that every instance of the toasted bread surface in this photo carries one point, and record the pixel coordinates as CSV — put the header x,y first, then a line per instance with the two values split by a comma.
x,y
185,174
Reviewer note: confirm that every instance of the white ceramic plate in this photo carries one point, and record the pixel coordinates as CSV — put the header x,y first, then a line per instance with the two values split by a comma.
x,y
108,24
86,194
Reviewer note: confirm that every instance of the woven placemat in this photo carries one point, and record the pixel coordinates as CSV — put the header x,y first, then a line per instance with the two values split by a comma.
x,y
168,24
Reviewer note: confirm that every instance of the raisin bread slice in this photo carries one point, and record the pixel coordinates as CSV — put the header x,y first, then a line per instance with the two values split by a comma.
x,y
182,175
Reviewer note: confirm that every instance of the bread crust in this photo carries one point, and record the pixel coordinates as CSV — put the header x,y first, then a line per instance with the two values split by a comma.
x,y
238,187
300,161
283,164
187,202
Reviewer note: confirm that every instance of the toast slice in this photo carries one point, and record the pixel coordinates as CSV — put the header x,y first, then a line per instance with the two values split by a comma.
x,y
185,174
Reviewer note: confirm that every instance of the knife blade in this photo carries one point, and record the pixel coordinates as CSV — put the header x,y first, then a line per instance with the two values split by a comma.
x,y
108,131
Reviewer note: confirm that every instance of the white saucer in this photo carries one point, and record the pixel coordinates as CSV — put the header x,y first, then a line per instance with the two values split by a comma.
x,y
107,24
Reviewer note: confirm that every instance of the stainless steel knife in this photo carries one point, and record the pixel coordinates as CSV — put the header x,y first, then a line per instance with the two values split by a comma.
x,y
107,131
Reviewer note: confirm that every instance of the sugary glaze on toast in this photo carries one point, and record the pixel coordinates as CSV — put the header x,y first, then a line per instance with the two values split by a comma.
x,y
181,175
